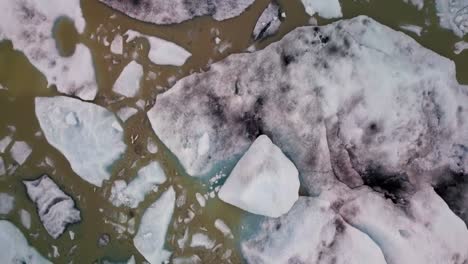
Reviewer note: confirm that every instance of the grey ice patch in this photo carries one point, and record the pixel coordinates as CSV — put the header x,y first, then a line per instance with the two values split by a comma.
x,y
56,209
176,11
269,22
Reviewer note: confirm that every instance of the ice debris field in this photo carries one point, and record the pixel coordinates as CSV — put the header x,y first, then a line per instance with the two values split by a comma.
x,y
335,140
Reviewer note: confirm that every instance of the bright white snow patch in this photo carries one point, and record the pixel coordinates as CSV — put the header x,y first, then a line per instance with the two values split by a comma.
x,y
162,52
324,8
116,46
128,82
7,203
453,15
29,25
83,133
20,152
25,218
56,209
151,146
419,4
151,235
126,112
148,178
15,248
412,28
264,181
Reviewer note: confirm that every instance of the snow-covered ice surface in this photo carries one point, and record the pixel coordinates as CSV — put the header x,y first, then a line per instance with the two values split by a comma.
x,y
202,240
412,28
324,8
162,52
176,11
7,202
88,135
128,82
151,235
269,22
310,233
263,182
20,151
56,209
29,24
354,101
15,247
148,178
223,228
453,15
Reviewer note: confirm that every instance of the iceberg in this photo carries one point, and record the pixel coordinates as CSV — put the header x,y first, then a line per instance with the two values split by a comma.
x,y
56,209
172,12
131,195
128,82
30,24
263,182
162,52
15,247
151,235
88,135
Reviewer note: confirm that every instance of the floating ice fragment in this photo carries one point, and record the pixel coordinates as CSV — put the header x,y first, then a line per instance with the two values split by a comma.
x,y
25,218
116,46
412,28
126,112
324,8
200,199
20,152
6,203
4,143
223,228
269,22
128,82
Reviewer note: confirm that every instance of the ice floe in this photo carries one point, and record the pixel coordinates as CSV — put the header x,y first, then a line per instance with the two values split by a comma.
x,y
20,151
151,146
148,178
56,209
310,233
269,22
412,28
126,112
264,181
453,15
170,12
460,46
4,143
162,52
7,202
29,25
116,46
84,133
202,240
194,259
324,8
128,82
25,218
15,247
151,235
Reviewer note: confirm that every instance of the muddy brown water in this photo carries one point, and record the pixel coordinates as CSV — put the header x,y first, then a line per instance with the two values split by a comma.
x,y
24,83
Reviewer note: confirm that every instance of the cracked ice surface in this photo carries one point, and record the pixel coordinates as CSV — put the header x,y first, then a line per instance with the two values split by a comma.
x,y
56,209
176,11
15,247
88,135
29,25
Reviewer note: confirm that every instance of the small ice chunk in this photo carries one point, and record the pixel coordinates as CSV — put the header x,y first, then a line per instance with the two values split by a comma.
x,y
151,235
20,151
460,46
269,22
128,82
264,181
4,143
194,259
25,218
55,252
56,209
72,235
116,46
202,240
200,199
2,167
162,52
412,28
134,193
419,4
183,240
15,248
217,40
92,145
7,203
324,8
223,228
126,112
151,146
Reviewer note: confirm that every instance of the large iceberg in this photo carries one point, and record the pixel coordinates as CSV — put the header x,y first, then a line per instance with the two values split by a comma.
x,y
176,11
263,182
15,247
29,24
56,209
151,235
353,102
132,194
88,135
